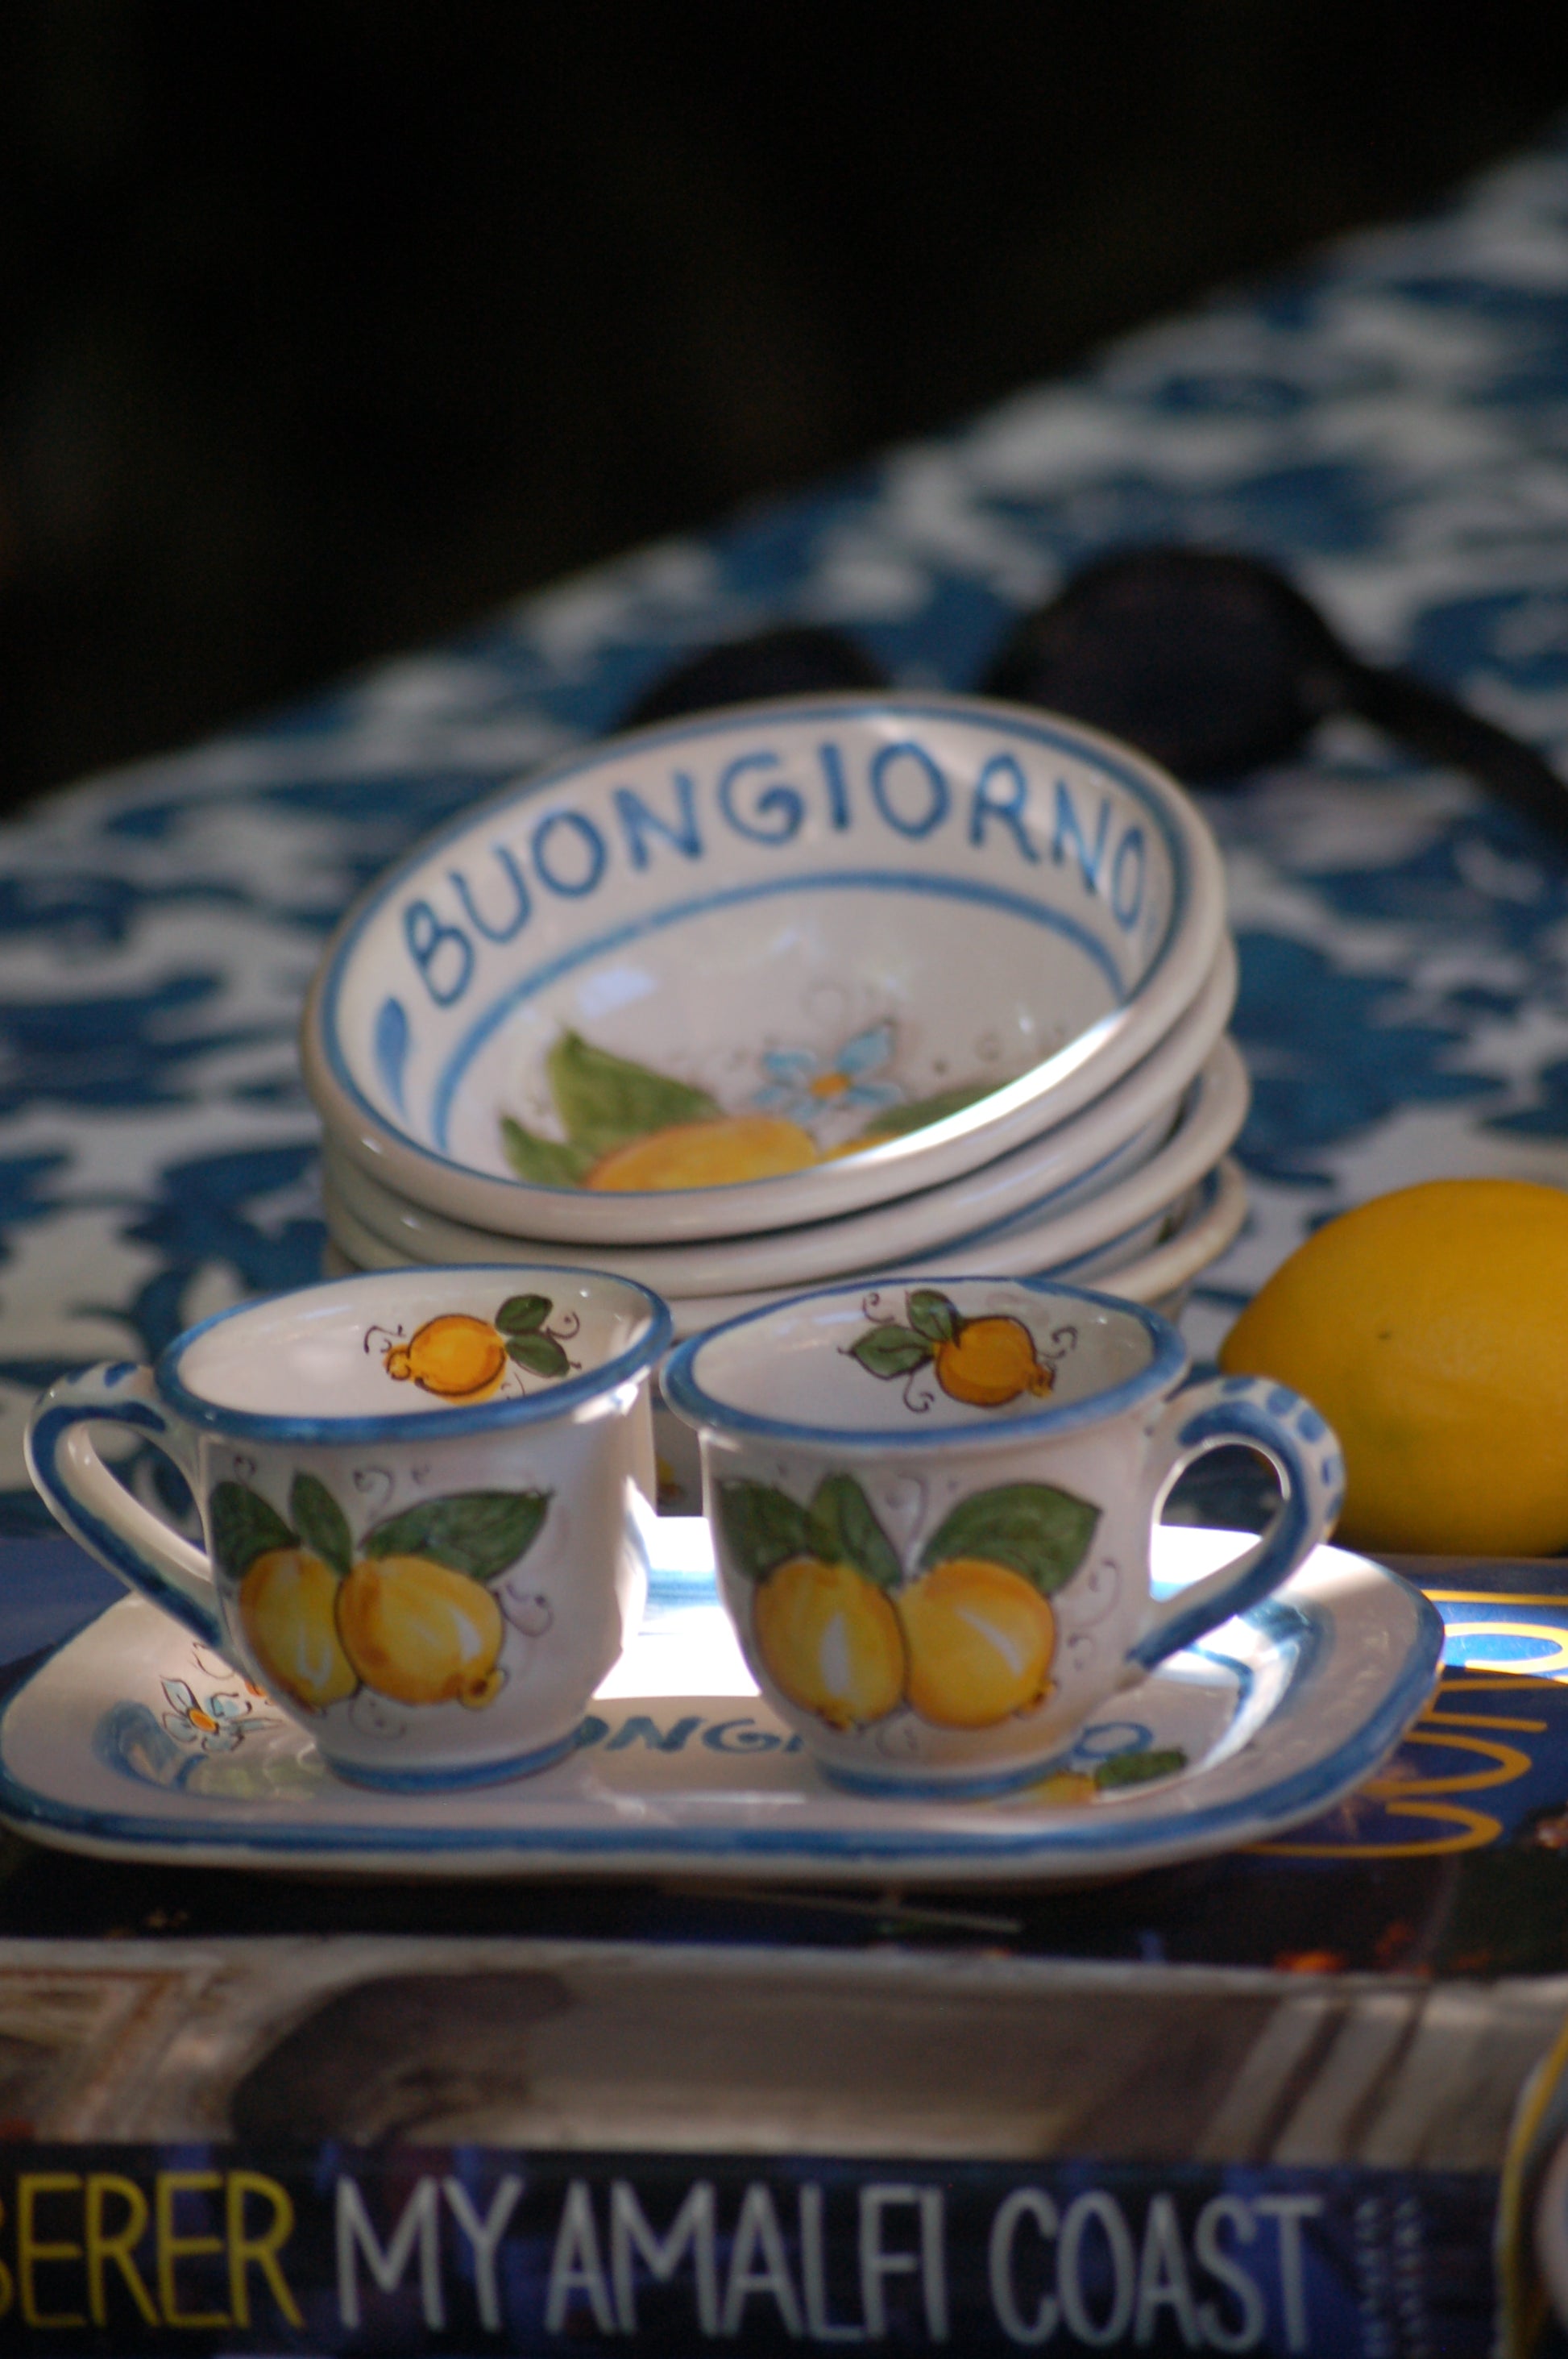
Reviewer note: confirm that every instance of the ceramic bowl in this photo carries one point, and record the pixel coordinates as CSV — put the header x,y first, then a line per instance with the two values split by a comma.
x,y
1077,1159
679,986
1132,1208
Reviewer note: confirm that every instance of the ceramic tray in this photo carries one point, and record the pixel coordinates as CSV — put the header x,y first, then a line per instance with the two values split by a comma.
x,y
132,1741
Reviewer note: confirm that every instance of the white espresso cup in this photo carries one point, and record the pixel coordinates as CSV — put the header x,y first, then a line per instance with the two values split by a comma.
x,y
932,1502
419,1501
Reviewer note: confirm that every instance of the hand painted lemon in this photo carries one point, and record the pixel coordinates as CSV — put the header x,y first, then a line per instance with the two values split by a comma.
x,y
990,1362
459,1357
979,1641
286,1606
414,1630
1428,1327
830,1640
717,1154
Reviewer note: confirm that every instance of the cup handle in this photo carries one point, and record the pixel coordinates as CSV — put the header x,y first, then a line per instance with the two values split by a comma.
x,y
1306,1455
99,1512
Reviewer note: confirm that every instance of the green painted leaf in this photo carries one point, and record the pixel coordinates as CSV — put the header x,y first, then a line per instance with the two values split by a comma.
x,y
605,1101
542,1353
1137,1769
547,1163
762,1528
897,1122
476,1532
843,1529
932,1315
1033,1528
520,1314
243,1527
321,1523
890,1351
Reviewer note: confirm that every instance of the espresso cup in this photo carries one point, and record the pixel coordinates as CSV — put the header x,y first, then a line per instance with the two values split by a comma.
x,y
932,1503
419,1502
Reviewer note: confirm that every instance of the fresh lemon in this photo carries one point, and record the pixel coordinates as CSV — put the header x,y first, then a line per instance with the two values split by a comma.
x,y
830,1639
979,1641
286,1601
455,1356
717,1154
418,1632
990,1362
1429,1328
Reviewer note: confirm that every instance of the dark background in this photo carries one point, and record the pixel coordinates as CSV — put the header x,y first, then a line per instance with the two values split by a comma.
x,y
326,326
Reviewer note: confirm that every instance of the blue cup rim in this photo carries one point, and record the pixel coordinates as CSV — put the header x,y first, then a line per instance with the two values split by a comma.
x,y
690,1399
433,1424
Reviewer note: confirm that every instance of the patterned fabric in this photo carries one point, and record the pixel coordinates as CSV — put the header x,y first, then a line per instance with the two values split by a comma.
x,y
1390,422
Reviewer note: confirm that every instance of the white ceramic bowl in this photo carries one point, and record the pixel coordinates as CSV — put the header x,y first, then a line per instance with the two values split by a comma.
x,y
1131,1214
1162,1278
788,923
1080,1157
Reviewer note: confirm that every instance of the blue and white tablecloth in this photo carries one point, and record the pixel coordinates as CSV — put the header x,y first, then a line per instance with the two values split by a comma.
x,y
1390,422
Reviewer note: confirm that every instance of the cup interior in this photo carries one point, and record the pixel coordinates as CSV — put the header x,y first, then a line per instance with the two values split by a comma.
x,y
907,1361
401,1344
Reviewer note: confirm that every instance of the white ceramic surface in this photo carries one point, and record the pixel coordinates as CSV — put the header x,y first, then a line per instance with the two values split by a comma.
x,y
686,1771
932,1506
1074,1160
1160,1277
1129,1213
421,1520
809,911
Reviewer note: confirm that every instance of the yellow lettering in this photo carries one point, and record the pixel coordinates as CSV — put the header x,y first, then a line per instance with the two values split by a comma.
x,y
120,2247
1510,1763
1547,1634
172,2248
1476,1831
31,2250
258,2252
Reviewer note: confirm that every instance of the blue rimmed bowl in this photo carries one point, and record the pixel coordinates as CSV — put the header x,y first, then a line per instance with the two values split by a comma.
x,y
763,969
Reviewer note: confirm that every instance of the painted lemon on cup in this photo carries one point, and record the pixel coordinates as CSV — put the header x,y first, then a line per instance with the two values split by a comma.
x,y
979,1640
985,1361
1428,1327
455,1356
286,1606
715,1154
420,1633
830,1640
990,1362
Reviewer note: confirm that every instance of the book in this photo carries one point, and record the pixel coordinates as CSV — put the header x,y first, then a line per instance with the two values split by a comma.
x,y
437,2144
1309,2098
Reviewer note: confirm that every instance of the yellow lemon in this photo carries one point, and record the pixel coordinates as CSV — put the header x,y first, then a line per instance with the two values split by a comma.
x,y
990,1361
455,1356
419,1632
286,1601
1429,1327
830,1640
717,1154
979,1641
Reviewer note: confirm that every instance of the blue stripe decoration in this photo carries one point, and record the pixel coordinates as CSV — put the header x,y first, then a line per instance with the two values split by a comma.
x,y
101,1538
1279,1552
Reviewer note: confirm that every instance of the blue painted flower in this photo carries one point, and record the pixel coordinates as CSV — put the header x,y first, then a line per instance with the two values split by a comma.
x,y
805,1085
210,1727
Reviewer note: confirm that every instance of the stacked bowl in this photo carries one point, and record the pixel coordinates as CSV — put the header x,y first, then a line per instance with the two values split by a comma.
x,y
798,994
